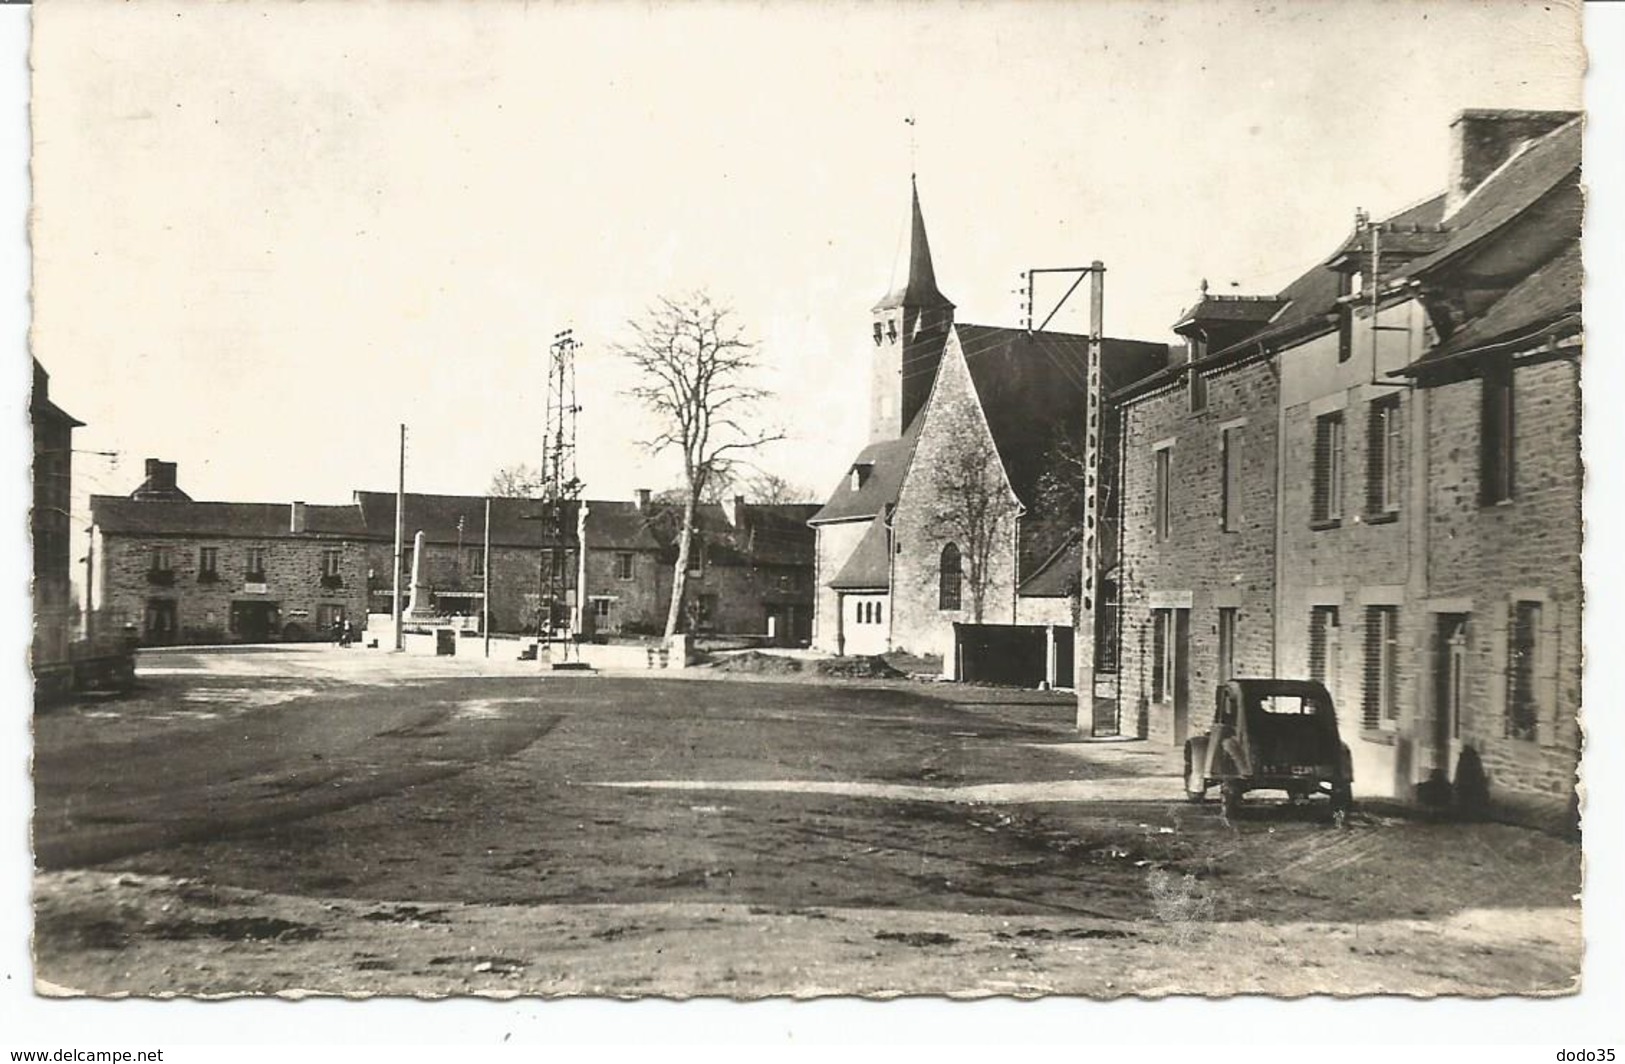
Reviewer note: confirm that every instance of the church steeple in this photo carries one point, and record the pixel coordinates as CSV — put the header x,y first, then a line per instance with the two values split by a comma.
x,y
919,288
910,327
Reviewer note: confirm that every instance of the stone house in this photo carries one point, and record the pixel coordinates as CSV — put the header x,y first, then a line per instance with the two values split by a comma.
x,y
1197,578
958,501
181,571
1499,644
1298,414
750,570
50,522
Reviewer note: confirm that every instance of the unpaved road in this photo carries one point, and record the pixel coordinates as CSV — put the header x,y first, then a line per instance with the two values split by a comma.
x,y
262,823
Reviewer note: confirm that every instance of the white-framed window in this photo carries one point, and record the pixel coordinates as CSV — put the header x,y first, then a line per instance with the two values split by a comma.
x,y
162,561
601,607
208,562
623,565
1162,502
474,561
1380,699
1327,506
1162,655
254,564
1384,448
332,562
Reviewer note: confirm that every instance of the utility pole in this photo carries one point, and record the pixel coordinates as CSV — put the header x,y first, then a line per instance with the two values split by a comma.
x,y
1084,636
485,594
562,486
400,533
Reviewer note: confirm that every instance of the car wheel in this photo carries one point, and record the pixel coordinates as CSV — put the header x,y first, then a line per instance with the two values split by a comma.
x,y
1342,803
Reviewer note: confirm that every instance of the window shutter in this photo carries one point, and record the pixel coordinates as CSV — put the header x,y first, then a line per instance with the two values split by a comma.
x,y
1323,469
1317,644
1494,721
1546,661
1371,701
1159,654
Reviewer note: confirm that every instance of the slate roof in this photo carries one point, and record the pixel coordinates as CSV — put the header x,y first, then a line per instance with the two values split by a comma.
x,y
1239,309
1031,385
919,288
768,534
1549,296
257,520
41,408
869,567
611,525
888,461
1059,576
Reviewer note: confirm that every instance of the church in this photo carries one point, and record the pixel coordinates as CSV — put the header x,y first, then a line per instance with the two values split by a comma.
x,y
960,517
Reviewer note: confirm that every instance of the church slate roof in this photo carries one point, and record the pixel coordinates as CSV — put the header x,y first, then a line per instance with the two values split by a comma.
x,y
869,567
919,287
1031,387
888,462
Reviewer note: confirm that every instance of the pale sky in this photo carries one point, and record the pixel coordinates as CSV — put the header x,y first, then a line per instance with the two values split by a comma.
x,y
265,234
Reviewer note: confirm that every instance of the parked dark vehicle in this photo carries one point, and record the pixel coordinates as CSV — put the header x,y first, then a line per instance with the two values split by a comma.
x,y
1271,735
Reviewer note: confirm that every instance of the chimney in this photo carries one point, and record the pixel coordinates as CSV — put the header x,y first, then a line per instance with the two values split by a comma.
x,y
734,509
160,482
1481,140
296,517
642,497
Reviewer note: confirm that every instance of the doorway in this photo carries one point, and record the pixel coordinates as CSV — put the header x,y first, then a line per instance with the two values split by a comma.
x,y
254,621
1182,676
1449,683
162,623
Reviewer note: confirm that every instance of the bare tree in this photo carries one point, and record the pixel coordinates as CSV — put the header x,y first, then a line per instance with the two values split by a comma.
x,y
517,482
971,509
695,365
770,489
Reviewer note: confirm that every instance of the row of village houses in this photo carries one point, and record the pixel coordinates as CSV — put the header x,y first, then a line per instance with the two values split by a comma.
x,y
1371,478
184,571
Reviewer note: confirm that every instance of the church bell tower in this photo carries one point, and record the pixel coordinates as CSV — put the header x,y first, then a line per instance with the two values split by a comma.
x,y
910,327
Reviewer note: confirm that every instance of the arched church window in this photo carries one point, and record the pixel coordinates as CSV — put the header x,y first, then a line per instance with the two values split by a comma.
x,y
949,579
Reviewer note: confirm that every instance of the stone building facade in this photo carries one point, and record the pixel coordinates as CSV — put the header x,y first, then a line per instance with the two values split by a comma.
x,y
532,560
50,523
180,571
1409,420
1198,543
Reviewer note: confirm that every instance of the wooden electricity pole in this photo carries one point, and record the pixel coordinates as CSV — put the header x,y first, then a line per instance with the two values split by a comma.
x,y
400,532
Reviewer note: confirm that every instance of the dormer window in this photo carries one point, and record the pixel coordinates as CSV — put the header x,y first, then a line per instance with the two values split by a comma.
x,y
891,329
860,474
880,333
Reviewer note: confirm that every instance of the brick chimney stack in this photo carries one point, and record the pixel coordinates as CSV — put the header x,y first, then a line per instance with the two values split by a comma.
x,y
642,498
1481,140
734,509
296,517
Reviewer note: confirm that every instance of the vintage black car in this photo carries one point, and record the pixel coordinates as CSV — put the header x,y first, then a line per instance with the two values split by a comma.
x,y
1271,735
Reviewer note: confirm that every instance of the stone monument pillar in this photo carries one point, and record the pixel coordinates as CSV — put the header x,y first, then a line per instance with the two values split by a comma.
x,y
416,604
